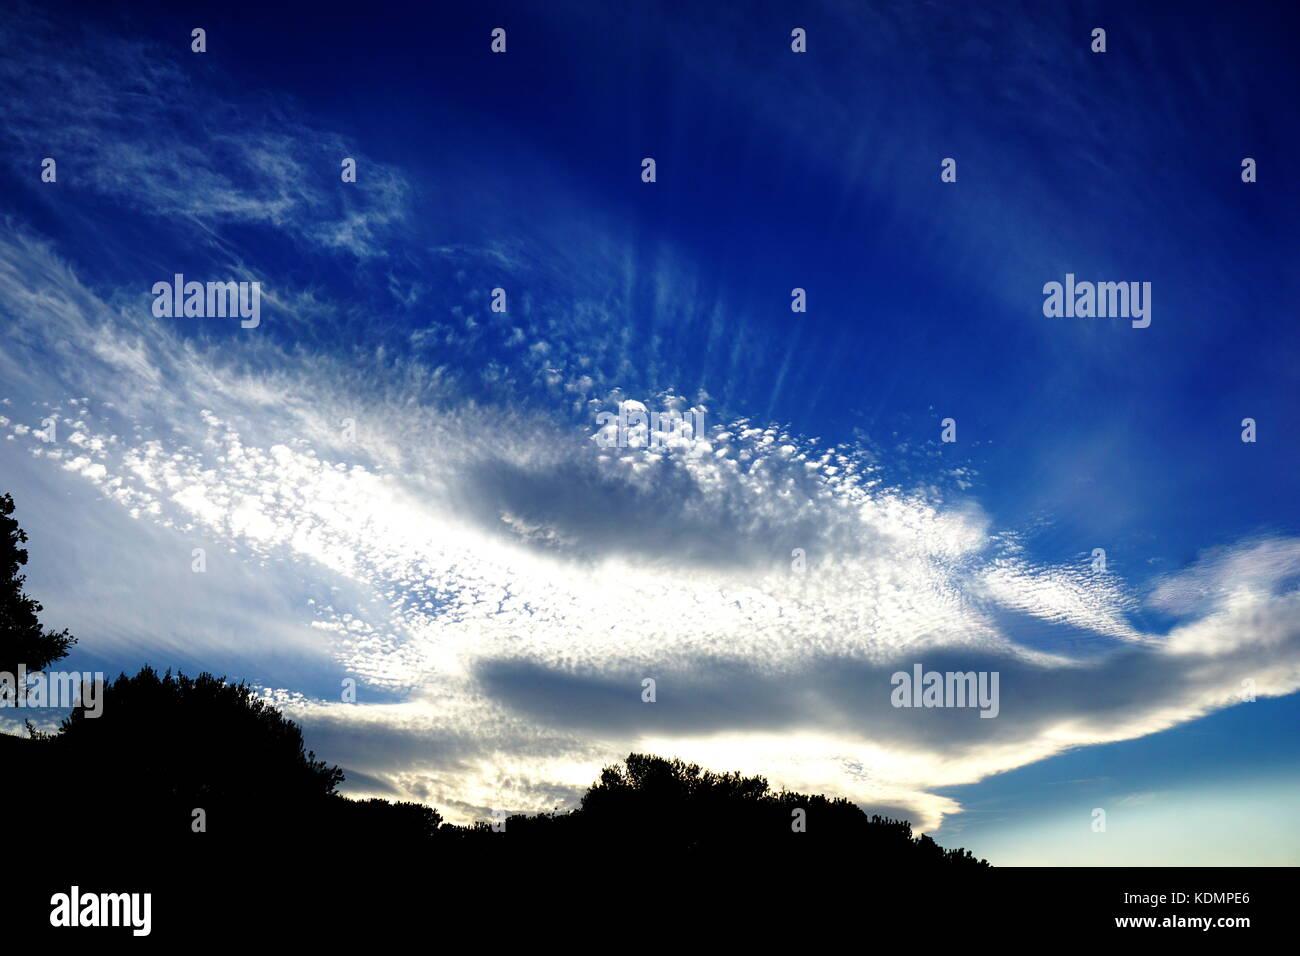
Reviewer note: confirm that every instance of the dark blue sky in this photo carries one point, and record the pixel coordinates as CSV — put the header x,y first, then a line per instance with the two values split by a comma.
x,y
822,172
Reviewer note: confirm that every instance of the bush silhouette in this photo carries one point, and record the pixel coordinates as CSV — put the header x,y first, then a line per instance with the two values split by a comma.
x,y
667,813
167,745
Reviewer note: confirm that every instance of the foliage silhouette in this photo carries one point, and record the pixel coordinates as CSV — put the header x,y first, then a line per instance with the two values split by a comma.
x,y
22,638
196,743
670,812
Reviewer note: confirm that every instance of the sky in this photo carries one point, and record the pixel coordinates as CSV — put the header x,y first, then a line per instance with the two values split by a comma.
x,y
392,483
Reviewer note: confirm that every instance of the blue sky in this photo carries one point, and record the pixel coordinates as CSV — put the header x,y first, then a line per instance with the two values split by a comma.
x,y
497,582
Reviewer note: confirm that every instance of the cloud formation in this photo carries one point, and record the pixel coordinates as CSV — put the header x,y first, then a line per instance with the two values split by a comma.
x,y
499,583
508,598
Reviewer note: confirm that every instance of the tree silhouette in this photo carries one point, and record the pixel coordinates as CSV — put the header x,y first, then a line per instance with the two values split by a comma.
x,y
669,815
22,638
165,746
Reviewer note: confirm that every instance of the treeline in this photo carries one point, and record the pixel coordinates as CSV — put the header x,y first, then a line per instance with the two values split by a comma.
x,y
205,765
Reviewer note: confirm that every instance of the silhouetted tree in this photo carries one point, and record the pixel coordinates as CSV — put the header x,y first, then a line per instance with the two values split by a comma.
x,y
668,816
22,638
166,745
